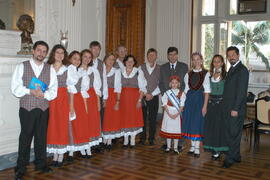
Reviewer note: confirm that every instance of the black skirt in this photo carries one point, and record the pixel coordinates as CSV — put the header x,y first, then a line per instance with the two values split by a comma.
x,y
215,126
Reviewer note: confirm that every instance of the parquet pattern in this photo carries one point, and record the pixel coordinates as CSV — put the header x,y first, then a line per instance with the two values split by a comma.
x,y
150,162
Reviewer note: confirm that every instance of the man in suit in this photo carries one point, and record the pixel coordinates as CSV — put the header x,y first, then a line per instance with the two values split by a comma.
x,y
234,102
173,67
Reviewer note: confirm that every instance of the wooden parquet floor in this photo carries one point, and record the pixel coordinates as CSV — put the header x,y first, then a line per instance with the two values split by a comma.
x,y
150,162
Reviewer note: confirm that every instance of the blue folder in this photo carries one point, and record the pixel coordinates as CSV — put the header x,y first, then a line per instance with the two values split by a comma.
x,y
35,83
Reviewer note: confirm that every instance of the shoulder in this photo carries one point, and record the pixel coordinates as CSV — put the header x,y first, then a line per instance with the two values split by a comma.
x,y
164,66
182,64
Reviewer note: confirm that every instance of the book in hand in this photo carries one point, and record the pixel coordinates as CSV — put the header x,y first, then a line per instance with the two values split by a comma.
x,y
35,83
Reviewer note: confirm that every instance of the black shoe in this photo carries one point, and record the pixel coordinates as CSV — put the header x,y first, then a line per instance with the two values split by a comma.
x,y
226,164
216,156
196,155
45,169
190,153
60,164
176,151
88,156
142,142
167,150
54,164
151,143
132,146
164,146
180,148
83,156
18,176
125,146
237,160
70,159
109,147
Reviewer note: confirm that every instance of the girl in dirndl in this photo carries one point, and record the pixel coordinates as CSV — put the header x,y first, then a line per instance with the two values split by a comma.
x,y
133,89
78,110
112,116
91,90
197,91
215,126
57,133
173,102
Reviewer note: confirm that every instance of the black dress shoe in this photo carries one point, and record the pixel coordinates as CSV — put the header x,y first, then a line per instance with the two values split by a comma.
x,y
109,147
125,146
54,164
60,164
142,142
237,160
196,155
180,148
132,146
70,159
190,153
18,176
164,146
227,165
151,143
45,169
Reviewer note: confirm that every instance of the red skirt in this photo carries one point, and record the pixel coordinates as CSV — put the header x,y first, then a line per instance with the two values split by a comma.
x,y
80,124
131,116
94,129
111,121
57,133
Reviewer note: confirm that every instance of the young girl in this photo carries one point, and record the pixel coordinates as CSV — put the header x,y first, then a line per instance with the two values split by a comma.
x,y
133,89
173,102
57,133
78,109
214,126
112,116
197,89
91,90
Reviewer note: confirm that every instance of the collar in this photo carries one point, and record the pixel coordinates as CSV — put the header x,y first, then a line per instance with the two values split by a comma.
x,y
32,61
133,72
62,69
236,63
148,65
112,71
174,64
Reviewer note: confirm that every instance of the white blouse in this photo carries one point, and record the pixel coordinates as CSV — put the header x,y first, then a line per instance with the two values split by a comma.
x,y
62,70
104,82
142,83
86,82
165,99
117,79
19,90
206,82
73,77
121,64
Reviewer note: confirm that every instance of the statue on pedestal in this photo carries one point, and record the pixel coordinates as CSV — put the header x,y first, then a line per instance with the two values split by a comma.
x,y
26,24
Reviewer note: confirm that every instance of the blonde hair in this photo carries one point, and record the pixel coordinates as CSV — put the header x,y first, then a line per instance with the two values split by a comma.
x,y
197,54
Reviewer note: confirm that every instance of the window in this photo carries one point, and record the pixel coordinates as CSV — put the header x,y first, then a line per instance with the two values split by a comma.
x,y
208,7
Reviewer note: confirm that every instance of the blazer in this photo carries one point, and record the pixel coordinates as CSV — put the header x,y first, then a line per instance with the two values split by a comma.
x,y
165,73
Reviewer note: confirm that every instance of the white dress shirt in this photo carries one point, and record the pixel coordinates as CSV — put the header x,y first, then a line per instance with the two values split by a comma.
x,y
104,82
117,79
206,82
19,90
86,82
174,65
165,98
142,83
73,77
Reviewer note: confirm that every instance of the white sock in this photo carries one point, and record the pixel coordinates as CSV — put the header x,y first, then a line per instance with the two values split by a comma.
x,y
192,147
197,147
55,157
126,140
169,143
83,152
109,142
132,140
88,152
60,157
175,144
70,153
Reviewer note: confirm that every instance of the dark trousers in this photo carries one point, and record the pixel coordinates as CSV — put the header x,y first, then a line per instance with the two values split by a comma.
x,y
150,110
34,123
235,128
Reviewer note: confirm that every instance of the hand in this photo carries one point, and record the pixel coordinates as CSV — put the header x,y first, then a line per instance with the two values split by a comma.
x,y
204,110
139,104
98,106
148,97
104,103
40,93
174,116
234,113
116,106
181,109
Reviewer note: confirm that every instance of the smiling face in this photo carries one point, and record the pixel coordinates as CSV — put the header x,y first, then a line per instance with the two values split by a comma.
x,y
173,57
197,62
152,57
95,50
40,52
130,63
109,61
75,60
175,83
217,62
121,52
232,57
86,58
59,55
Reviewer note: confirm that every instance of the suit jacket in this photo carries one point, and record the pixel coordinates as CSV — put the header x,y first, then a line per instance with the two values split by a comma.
x,y
235,89
165,72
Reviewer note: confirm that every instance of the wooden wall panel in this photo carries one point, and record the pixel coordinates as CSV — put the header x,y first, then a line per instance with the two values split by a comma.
x,y
126,26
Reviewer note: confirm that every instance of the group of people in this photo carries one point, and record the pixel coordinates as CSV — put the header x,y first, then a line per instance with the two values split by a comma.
x,y
87,101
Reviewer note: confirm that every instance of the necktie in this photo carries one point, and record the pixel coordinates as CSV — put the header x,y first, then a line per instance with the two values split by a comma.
x,y
172,67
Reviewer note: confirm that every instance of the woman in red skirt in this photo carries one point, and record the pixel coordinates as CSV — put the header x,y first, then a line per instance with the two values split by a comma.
x,y
78,109
112,116
91,85
133,89
57,133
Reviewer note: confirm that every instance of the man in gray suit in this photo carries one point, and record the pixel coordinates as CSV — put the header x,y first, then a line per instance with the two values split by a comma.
x,y
172,68
234,104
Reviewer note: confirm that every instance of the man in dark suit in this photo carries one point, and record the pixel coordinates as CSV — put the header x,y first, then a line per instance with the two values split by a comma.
x,y
234,102
173,67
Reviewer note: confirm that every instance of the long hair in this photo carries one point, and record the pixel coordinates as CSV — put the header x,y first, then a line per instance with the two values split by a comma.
x,y
223,68
51,59
87,51
72,54
200,55
108,55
